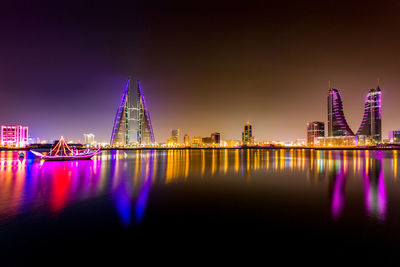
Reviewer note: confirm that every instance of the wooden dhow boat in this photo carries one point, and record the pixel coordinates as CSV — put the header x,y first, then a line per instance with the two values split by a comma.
x,y
63,152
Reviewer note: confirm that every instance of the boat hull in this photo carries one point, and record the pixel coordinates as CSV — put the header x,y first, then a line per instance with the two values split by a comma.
x,y
67,158
87,156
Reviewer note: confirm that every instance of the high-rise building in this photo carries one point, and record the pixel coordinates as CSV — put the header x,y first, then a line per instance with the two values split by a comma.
x,y
371,123
88,139
337,124
247,134
394,136
175,136
186,140
216,138
132,123
314,129
14,135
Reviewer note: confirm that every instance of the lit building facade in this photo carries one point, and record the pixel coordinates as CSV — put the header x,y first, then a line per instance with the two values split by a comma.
x,y
132,125
314,129
196,141
88,139
232,143
14,135
247,134
206,140
364,140
371,124
216,138
175,136
337,124
394,136
336,141
343,141
186,140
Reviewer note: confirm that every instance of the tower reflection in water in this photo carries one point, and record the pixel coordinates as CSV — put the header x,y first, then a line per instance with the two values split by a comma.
x,y
126,177
367,167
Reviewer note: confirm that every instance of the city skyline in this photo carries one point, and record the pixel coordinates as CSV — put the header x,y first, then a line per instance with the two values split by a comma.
x,y
336,95
203,70
129,124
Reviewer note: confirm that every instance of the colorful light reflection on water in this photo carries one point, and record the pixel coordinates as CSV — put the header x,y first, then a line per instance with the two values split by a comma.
x,y
127,177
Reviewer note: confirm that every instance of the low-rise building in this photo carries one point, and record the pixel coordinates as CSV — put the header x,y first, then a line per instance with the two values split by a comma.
x,y
394,136
314,129
196,141
344,141
14,135
335,141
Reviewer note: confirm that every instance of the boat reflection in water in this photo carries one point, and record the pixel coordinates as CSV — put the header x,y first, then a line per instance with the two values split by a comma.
x,y
127,178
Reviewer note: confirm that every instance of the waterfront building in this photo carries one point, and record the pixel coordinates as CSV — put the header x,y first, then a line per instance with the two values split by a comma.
x,y
196,141
394,136
371,124
337,124
206,140
175,136
301,142
216,138
364,140
132,125
14,135
344,141
232,143
336,141
314,129
170,142
88,139
247,134
186,140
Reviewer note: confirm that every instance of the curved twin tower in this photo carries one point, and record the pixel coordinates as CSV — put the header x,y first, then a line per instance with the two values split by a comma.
x,y
132,125
371,122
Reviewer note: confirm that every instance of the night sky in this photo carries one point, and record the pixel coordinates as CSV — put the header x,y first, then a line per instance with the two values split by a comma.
x,y
205,66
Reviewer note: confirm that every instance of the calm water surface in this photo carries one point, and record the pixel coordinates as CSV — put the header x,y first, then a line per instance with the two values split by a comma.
x,y
338,200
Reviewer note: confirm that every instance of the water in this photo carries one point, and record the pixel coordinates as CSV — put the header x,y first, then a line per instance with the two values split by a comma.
x,y
326,201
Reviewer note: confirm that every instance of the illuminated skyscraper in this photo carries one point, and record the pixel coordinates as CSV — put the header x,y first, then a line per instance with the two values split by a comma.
x,y
132,123
186,139
247,134
371,123
175,136
216,138
337,124
314,129
88,139
14,136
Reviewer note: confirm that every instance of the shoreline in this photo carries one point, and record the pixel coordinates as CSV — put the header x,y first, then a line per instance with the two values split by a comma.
x,y
221,148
